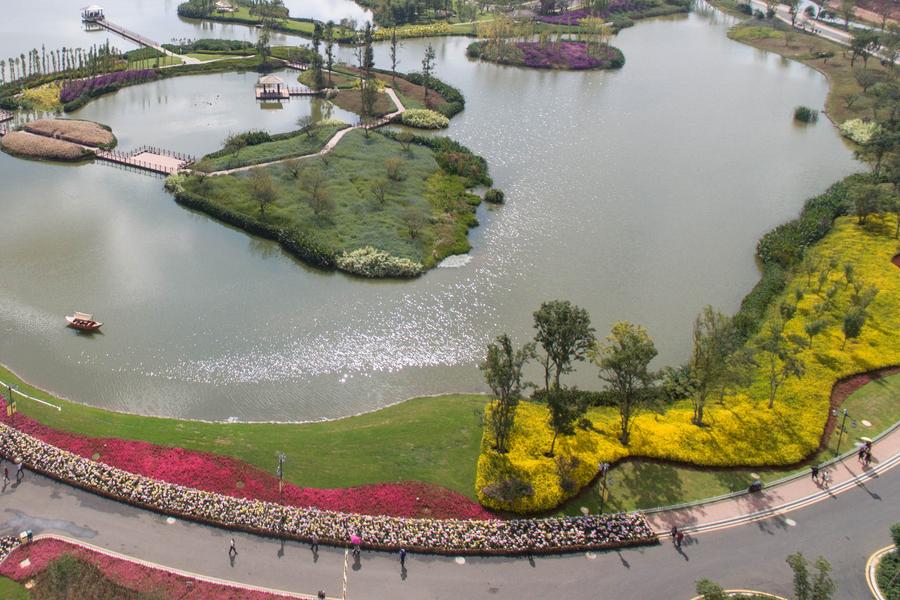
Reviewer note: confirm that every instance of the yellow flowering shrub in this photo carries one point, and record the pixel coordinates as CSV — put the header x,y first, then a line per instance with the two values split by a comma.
x,y
741,430
414,31
44,97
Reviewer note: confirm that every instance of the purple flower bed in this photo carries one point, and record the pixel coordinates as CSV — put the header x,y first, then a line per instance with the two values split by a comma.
x,y
78,87
572,17
564,55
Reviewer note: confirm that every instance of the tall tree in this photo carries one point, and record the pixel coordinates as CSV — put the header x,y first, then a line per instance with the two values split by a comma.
x,y
565,408
624,361
714,341
329,48
564,332
262,189
847,9
779,355
396,44
853,324
428,70
502,369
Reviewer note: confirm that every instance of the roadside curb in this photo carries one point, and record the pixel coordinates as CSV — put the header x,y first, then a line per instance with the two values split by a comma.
x,y
872,571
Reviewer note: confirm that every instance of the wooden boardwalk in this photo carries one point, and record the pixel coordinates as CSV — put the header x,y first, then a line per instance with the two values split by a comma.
x,y
139,39
286,93
147,158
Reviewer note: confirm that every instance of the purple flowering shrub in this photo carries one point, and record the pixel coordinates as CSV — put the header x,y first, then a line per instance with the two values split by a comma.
x,y
78,87
568,55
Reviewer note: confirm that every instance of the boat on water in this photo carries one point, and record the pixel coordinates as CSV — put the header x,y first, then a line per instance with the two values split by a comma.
x,y
83,322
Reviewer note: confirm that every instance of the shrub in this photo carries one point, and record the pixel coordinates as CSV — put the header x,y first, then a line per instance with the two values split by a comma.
x,y
746,9
455,99
394,168
858,130
805,114
423,118
494,196
371,262
102,84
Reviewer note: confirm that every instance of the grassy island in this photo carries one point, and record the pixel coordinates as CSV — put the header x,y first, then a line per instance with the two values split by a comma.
x,y
57,139
373,206
561,55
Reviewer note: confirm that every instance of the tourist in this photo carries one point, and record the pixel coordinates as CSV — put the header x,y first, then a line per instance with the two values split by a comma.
x,y
314,544
861,455
814,472
232,551
679,538
826,478
402,558
867,458
5,477
20,474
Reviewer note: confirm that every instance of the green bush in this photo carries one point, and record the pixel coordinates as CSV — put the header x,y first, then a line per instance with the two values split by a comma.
x,y
453,157
371,262
211,45
455,99
805,114
422,118
494,196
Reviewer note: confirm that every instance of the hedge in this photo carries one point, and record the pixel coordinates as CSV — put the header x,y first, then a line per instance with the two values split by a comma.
x,y
452,157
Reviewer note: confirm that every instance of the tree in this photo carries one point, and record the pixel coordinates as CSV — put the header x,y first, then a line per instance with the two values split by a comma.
x,y
866,200
814,328
368,97
624,362
714,341
853,324
709,590
565,334
866,79
821,588
862,45
234,143
262,42
396,44
414,219
564,411
794,6
315,181
307,125
428,71
405,138
262,189
847,9
395,169
780,357
378,187
329,48
502,369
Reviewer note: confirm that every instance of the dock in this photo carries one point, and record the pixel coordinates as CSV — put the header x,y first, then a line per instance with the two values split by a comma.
x,y
94,16
147,158
286,93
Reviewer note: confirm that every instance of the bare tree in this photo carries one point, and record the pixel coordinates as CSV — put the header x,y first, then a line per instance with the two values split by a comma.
x,y
262,189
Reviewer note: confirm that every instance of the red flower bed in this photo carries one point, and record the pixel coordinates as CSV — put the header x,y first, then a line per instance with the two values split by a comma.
x,y
225,475
128,574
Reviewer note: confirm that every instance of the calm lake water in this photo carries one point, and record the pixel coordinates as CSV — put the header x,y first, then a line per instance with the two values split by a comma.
x,y
638,194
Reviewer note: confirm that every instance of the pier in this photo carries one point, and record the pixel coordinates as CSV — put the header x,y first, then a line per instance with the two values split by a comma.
x,y
147,158
95,16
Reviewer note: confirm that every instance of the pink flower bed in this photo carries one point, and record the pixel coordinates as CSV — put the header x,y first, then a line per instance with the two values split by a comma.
x,y
225,475
128,574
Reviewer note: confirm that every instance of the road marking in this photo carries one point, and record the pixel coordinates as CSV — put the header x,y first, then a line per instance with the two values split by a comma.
x,y
460,560
790,522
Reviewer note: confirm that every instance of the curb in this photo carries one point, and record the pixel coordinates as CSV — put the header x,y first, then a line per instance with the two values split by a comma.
x,y
756,592
179,572
872,571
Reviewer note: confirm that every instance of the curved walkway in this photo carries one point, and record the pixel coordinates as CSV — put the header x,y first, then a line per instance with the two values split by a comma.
x,y
329,145
845,525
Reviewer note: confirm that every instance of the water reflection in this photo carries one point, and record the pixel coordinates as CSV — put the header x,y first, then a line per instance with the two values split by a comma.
x,y
638,194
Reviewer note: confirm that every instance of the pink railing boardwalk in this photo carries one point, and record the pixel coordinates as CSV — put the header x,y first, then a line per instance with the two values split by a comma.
x,y
148,158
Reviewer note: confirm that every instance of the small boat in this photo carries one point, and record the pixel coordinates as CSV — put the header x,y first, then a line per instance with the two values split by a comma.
x,y
83,322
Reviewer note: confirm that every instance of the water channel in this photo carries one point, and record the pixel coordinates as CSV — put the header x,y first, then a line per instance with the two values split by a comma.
x,y
638,194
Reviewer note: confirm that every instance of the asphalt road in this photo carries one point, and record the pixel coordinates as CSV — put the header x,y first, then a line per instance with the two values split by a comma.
x,y
845,529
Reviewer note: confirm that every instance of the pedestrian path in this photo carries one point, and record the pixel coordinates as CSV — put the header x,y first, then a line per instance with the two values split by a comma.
x,y
790,494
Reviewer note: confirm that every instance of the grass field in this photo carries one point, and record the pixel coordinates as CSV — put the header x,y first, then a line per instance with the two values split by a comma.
x,y
434,440
150,63
352,100
10,590
647,484
438,201
297,145
802,47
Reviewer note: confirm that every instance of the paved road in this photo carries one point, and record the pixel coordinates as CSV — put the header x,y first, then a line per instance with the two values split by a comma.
x,y
845,529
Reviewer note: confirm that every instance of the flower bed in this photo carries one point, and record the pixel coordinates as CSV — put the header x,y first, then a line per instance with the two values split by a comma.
x,y
226,475
564,55
742,430
73,89
573,17
522,536
423,118
125,573
29,145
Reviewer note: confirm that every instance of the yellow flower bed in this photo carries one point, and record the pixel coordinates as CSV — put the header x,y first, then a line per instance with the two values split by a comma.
x,y
414,31
44,96
741,431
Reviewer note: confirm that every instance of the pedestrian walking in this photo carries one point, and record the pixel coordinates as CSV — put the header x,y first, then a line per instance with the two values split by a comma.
x,y
314,545
5,477
232,550
814,472
321,594
356,551
826,478
868,457
861,455
402,558
868,446
20,474
679,538
674,532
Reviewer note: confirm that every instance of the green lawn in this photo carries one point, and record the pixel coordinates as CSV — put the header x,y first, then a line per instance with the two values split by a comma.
x,y
439,202
207,57
297,145
648,484
434,440
10,590
150,63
